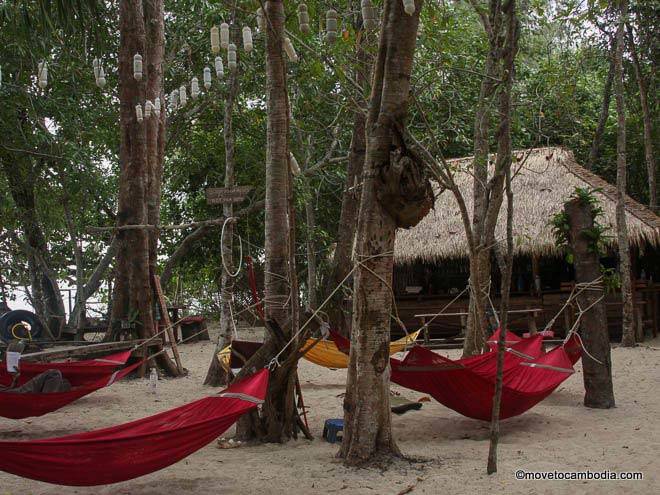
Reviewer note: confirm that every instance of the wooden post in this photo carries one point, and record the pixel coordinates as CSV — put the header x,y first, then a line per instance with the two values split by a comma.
x,y
536,275
531,321
598,386
639,322
165,318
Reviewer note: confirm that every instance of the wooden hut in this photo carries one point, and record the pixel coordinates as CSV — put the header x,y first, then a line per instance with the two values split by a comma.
x,y
431,264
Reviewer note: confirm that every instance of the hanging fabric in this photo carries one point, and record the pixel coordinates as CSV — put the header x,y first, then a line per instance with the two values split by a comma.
x,y
130,450
76,372
467,385
16,405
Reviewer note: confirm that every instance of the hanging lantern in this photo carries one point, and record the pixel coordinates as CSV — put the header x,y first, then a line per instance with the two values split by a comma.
x,y
100,80
409,6
261,19
97,65
137,67
290,50
224,35
157,106
148,106
194,87
231,56
368,15
215,39
138,112
303,19
42,75
331,25
207,77
183,98
174,95
293,165
247,39
219,69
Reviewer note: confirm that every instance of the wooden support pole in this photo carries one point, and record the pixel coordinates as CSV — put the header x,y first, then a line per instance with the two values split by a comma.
x,y
165,319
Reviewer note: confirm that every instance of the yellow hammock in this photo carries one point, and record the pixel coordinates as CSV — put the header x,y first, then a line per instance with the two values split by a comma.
x,y
325,353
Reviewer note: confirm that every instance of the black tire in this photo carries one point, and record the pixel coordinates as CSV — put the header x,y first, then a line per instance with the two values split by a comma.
x,y
11,321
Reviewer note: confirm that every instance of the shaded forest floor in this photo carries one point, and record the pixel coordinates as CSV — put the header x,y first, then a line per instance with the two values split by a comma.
x,y
450,450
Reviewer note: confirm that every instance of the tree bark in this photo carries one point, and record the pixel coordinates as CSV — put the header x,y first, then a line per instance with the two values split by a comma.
x,y
46,296
511,28
647,120
216,375
341,262
487,192
141,28
367,418
598,386
597,141
628,322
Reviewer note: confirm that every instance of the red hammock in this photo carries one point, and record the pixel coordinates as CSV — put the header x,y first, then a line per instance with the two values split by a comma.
x,y
467,385
76,372
124,452
24,405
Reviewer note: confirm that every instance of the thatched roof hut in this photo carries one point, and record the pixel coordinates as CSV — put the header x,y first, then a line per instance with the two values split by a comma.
x,y
546,179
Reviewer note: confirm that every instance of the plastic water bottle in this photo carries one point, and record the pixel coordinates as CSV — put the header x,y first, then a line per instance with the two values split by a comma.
x,y
153,380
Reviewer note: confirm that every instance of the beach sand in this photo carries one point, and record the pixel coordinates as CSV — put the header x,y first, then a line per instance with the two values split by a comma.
x,y
449,451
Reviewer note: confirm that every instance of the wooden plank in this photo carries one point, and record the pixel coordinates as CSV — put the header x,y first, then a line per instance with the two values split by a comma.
x,y
81,351
165,318
222,195
511,311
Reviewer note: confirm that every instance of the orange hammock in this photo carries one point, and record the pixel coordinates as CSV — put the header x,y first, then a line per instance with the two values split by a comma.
x,y
326,353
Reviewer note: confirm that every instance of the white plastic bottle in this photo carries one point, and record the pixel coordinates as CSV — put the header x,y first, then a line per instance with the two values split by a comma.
x,y
153,381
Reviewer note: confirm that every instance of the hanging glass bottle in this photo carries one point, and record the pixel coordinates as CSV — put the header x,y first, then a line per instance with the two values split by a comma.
x,y
215,39
183,97
409,6
157,106
42,75
207,77
194,87
219,69
137,67
290,50
303,18
174,96
247,39
224,35
231,56
100,80
138,112
261,20
148,106
96,65
331,25
368,15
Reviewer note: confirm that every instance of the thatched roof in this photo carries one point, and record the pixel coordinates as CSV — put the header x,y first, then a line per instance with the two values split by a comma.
x,y
547,179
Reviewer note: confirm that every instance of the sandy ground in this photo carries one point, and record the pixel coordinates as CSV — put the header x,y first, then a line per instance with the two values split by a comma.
x,y
450,450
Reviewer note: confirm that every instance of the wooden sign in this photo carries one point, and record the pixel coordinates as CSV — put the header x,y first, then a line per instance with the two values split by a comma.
x,y
221,195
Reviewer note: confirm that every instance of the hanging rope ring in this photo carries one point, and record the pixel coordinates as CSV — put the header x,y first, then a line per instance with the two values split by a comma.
x,y
222,251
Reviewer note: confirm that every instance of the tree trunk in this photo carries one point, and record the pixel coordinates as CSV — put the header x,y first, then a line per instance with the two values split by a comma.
x,y
647,120
511,27
278,419
141,157
593,325
604,112
46,296
486,203
216,375
628,322
341,262
367,418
